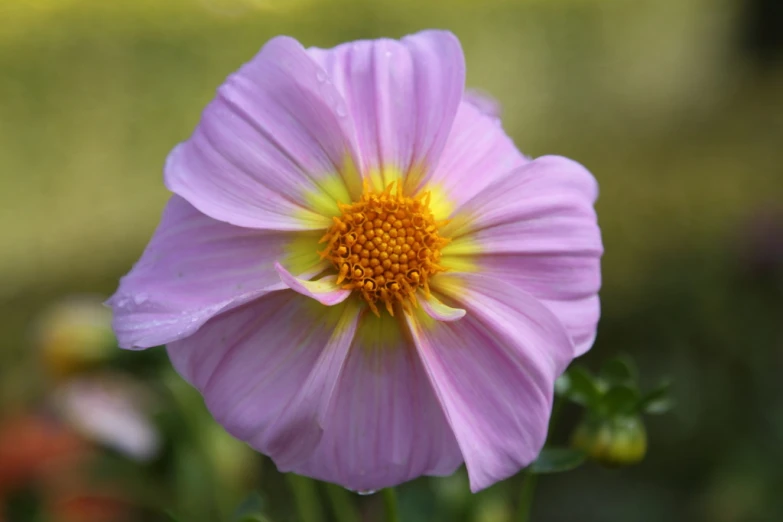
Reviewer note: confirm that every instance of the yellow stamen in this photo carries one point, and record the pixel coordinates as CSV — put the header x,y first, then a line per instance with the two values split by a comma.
x,y
385,246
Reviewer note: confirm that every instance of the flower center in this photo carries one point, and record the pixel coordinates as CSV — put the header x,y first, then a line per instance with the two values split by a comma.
x,y
385,246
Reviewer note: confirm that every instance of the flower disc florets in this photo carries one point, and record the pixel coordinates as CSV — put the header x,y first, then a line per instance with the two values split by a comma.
x,y
385,246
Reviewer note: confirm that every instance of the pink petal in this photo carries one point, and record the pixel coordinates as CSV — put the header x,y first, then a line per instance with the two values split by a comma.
x,y
284,376
566,285
386,425
402,97
478,153
536,229
294,435
493,372
273,150
266,370
485,103
325,290
194,268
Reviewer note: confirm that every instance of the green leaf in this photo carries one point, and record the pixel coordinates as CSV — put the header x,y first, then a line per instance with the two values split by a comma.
x,y
250,509
657,401
557,460
581,387
620,370
660,406
620,400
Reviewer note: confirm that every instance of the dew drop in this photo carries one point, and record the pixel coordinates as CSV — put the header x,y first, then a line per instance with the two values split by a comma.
x,y
328,95
140,299
320,76
366,492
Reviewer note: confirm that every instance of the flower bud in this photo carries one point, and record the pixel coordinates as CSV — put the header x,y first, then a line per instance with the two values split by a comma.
x,y
619,441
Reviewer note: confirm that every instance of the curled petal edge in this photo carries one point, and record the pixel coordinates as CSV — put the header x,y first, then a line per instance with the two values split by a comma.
x,y
439,311
324,290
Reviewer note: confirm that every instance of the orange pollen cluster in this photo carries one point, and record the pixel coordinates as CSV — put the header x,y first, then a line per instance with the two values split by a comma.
x,y
385,246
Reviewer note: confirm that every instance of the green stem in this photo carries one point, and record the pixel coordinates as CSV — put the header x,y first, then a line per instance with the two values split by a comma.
x,y
530,478
306,498
526,497
197,488
342,504
390,503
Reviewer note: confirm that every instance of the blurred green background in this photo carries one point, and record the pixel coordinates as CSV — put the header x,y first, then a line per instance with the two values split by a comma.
x,y
676,106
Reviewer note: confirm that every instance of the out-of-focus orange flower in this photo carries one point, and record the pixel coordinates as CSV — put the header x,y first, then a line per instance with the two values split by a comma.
x,y
85,503
31,446
44,453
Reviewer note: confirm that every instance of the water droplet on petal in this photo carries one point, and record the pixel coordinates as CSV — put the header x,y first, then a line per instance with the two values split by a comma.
x,y
366,492
320,76
328,95
140,299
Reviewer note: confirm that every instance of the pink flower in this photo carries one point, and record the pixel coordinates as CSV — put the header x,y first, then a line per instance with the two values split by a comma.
x,y
360,272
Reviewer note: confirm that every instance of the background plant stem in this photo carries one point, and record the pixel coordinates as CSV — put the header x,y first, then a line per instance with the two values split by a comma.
x,y
526,497
390,503
342,503
308,507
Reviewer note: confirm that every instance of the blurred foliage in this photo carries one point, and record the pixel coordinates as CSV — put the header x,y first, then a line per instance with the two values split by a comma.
x,y
667,102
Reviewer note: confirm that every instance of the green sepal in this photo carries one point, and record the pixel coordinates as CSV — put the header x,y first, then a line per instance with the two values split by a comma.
x,y
620,370
558,460
620,400
658,400
577,385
